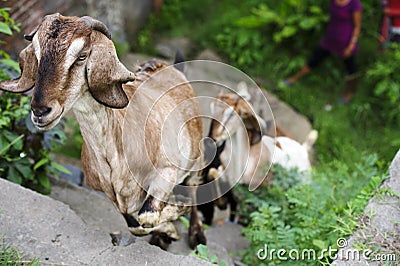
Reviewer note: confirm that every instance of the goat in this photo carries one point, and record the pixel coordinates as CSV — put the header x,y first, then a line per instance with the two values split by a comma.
x,y
241,133
135,154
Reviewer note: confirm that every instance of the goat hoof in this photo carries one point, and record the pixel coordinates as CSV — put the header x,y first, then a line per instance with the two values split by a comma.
x,y
222,203
149,219
164,236
161,240
196,237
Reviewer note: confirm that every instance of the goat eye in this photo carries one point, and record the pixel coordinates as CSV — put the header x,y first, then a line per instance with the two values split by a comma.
x,y
82,57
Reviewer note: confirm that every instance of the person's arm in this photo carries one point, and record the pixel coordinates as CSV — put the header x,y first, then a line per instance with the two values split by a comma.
x,y
357,17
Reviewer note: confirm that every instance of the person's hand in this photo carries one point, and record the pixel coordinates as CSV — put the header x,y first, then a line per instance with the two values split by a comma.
x,y
349,50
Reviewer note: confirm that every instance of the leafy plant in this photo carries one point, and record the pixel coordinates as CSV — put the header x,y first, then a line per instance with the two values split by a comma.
x,y
285,18
8,24
203,252
308,215
274,191
348,219
24,152
383,77
242,46
72,147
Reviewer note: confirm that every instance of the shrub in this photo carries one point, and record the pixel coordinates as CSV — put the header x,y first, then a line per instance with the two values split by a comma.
x,y
385,81
285,19
298,215
25,153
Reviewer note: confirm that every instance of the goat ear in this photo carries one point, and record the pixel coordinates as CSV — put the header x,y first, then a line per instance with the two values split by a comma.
x,y
244,110
29,65
106,74
250,119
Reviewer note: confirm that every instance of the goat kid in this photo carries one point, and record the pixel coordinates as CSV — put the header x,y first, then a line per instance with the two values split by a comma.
x,y
71,64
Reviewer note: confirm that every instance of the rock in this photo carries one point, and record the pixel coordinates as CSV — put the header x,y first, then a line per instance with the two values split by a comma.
x,y
75,176
208,54
287,119
167,47
91,206
43,228
98,212
132,60
181,247
123,17
379,230
233,240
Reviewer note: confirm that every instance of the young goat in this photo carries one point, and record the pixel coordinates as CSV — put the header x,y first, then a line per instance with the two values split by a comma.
x,y
247,152
135,154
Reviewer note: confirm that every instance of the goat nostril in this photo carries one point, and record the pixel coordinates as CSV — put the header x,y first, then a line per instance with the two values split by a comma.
x,y
41,111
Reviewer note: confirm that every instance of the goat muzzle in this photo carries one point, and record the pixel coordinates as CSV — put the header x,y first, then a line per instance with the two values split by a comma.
x,y
41,111
46,117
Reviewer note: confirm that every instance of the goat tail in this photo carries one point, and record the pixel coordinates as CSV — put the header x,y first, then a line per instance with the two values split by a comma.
x,y
310,140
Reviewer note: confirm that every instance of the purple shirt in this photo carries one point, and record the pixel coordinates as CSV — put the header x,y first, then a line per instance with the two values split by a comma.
x,y
340,27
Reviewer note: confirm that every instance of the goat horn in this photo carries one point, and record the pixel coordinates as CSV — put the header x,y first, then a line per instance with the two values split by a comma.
x,y
29,37
96,25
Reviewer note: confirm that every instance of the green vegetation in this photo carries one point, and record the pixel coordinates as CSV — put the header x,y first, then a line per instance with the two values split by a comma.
x,y
203,252
295,214
25,153
383,77
11,256
270,40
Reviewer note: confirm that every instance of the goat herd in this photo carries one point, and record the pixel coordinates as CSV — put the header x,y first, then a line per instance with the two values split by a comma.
x,y
142,131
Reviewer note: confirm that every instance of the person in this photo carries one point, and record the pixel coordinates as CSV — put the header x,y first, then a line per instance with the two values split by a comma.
x,y
390,25
341,39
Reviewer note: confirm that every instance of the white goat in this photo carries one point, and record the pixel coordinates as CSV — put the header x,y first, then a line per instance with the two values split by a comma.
x,y
135,155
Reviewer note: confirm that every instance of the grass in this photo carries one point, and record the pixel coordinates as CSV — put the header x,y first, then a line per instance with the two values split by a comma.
x,y
9,255
347,130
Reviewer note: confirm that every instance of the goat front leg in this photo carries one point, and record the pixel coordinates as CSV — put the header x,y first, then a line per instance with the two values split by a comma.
x,y
158,194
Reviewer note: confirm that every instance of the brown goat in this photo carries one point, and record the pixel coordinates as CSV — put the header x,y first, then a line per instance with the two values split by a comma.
x,y
137,153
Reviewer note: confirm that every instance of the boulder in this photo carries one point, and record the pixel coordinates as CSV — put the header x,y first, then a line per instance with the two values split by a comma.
x,y
167,47
379,232
43,228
